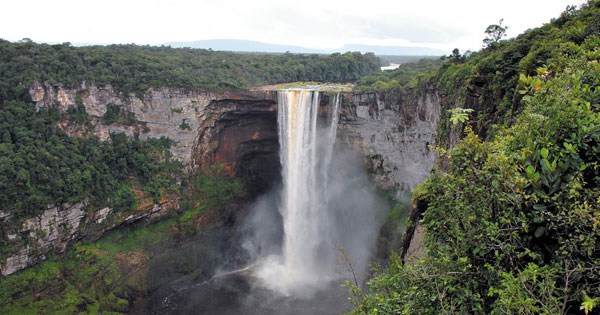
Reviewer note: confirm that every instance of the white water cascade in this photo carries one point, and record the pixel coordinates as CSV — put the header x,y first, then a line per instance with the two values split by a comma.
x,y
306,153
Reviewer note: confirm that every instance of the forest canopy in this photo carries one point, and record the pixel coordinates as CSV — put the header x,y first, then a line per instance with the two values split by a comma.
x,y
511,215
40,165
133,68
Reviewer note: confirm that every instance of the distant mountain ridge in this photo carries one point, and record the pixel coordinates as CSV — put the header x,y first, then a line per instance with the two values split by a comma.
x,y
243,45
256,46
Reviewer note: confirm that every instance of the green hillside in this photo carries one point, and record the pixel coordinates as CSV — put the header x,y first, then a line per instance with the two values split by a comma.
x,y
512,218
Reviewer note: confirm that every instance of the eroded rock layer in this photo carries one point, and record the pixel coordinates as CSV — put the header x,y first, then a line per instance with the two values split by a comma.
x,y
238,129
394,133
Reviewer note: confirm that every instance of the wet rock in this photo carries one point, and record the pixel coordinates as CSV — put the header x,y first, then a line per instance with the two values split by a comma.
x,y
18,261
393,132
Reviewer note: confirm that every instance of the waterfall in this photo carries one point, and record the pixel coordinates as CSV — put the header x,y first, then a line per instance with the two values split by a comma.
x,y
306,153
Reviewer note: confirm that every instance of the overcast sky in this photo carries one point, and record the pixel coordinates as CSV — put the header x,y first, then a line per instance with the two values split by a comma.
x,y
320,24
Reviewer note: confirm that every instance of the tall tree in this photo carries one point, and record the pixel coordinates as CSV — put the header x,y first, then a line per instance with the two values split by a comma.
x,y
494,33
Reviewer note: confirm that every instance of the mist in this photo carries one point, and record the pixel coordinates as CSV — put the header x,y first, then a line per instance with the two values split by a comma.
x,y
332,209
286,253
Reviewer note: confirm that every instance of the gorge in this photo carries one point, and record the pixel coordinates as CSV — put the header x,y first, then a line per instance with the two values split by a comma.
x,y
325,209
153,180
240,132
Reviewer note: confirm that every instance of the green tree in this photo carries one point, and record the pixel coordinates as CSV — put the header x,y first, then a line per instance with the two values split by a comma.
x,y
494,33
512,223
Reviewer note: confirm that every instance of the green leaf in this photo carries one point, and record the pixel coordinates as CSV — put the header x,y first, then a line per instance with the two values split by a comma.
x,y
588,303
530,170
548,165
544,153
495,184
522,78
540,231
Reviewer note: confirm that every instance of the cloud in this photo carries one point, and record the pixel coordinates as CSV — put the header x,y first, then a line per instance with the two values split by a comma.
x,y
330,28
312,23
413,29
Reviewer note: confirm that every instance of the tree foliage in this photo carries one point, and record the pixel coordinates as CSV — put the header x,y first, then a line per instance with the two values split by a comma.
x,y
84,281
40,165
408,75
494,33
488,80
459,115
132,68
512,223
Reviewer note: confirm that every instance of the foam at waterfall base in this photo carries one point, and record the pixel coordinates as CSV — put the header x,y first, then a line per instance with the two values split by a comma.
x,y
276,276
326,206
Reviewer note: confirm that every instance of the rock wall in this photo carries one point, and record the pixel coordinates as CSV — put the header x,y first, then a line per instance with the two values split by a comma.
x,y
394,133
242,135
412,240
59,225
163,111
53,229
238,129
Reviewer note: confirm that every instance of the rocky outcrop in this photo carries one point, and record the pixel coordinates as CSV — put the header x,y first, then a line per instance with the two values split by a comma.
x,y
237,129
242,135
412,240
52,230
394,133
59,225
169,112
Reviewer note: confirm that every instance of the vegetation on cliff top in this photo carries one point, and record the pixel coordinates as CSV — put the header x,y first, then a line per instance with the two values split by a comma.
x,y
487,80
132,68
512,225
319,86
407,75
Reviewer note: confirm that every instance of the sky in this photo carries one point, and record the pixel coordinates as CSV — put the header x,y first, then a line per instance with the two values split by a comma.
x,y
317,24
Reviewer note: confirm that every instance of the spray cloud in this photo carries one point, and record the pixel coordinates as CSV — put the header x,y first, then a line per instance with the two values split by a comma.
x,y
325,201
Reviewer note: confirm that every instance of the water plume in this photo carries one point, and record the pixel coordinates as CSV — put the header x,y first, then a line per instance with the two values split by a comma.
x,y
326,199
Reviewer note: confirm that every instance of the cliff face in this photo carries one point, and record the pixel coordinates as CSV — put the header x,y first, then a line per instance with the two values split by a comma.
x,y
242,135
53,229
62,224
394,133
169,112
237,129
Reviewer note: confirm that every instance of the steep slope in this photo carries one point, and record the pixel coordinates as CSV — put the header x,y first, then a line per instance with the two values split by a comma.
x,y
509,225
121,128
